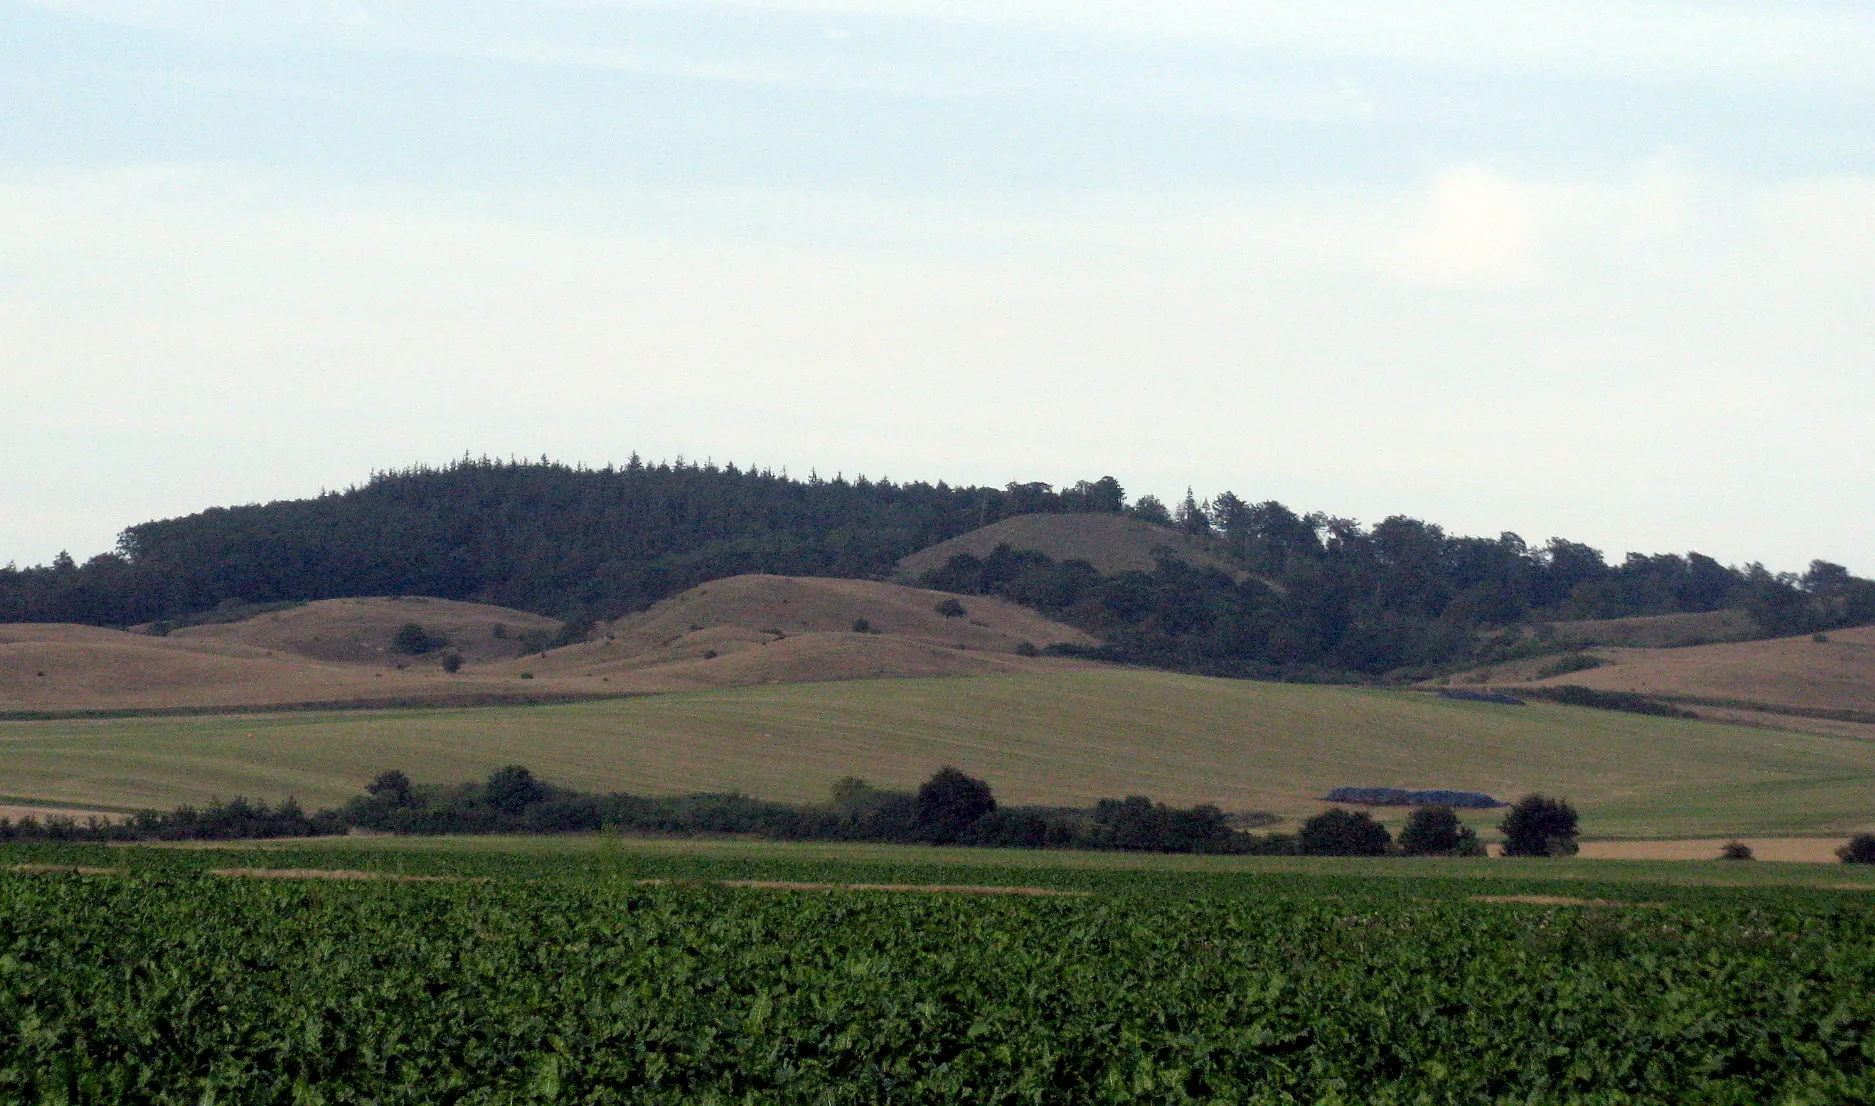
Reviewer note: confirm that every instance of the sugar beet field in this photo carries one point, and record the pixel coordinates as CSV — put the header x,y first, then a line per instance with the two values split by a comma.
x,y
147,977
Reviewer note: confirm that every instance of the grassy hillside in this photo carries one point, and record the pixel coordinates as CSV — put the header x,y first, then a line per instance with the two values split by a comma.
x,y
1057,738
359,631
1791,673
740,631
1111,543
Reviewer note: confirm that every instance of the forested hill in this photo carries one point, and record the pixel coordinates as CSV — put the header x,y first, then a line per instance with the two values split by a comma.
x,y
1316,594
538,536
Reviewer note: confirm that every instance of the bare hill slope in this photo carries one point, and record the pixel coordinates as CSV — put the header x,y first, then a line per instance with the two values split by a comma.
x,y
77,668
359,631
741,631
779,629
1788,674
1111,543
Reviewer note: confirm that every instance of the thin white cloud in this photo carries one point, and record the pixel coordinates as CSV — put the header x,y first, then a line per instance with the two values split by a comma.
x,y
1800,43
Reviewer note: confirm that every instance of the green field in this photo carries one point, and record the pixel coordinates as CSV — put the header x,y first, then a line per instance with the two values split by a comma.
x,y
604,971
851,861
1060,739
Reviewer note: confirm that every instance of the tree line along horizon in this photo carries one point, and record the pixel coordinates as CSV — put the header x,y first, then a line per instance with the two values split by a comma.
x,y
1313,596
950,808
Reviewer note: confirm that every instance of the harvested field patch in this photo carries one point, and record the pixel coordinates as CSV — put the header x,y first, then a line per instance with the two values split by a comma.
x,y
1798,850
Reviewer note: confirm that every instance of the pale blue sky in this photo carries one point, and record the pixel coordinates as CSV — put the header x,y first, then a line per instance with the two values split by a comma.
x,y
1599,270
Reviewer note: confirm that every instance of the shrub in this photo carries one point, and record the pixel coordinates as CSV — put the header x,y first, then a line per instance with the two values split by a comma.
x,y
1735,850
1574,662
1859,850
1820,639
950,608
392,788
1027,649
861,626
1436,831
1575,695
527,675
513,789
949,802
413,640
452,663
1340,832
1538,825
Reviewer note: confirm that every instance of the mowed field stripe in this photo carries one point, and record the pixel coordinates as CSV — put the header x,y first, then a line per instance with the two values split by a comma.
x,y
1062,739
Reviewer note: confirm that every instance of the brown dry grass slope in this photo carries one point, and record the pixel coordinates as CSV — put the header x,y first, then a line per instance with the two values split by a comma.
x,y
83,668
1786,674
761,630
1111,543
359,631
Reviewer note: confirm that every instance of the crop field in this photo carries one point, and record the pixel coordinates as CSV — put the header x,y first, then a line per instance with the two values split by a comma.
x,y
621,975
1063,739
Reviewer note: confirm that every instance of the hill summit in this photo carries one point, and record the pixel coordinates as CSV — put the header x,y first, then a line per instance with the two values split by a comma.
x,y
1111,543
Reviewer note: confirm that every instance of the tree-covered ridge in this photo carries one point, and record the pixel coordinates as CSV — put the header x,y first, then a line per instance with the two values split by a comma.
x,y
1317,595
544,537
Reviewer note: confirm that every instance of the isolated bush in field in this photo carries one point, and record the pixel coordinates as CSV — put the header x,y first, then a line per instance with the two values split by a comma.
x,y
452,663
1538,825
861,626
1735,850
949,802
413,640
950,608
1340,832
1027,649
1859,850
1436,831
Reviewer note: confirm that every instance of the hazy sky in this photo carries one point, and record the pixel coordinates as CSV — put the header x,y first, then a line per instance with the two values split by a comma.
x,y
1603,270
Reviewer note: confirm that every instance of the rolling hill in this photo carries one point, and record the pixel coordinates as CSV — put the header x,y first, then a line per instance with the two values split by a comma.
x,y
359,631
1048,738
1827,685
1111,543
743,630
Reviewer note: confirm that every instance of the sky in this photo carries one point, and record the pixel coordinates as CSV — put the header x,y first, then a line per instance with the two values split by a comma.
x,y
1597,270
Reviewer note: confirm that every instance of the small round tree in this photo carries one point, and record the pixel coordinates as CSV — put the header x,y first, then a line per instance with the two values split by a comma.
x,y
1436,831
950,803
1338,832
1859,850
513,789
413,640
951,608
392,788
1538,825
1735,850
